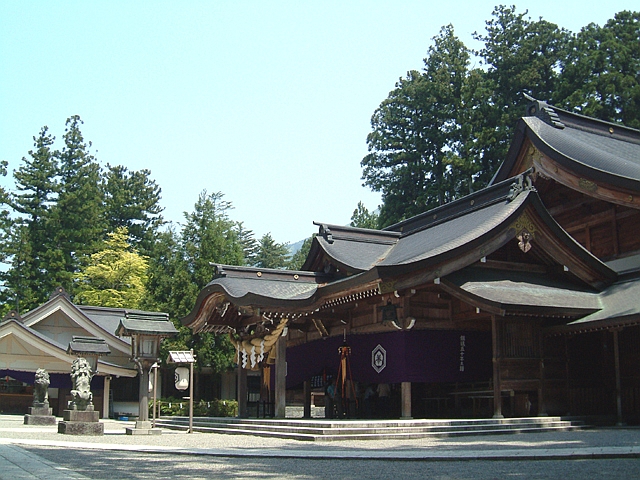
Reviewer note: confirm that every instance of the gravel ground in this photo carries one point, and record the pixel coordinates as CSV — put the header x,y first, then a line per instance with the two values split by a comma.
x,y
140,466
11,427
44,453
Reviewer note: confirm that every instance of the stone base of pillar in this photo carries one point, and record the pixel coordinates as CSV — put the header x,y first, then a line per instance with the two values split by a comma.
x,y
143,427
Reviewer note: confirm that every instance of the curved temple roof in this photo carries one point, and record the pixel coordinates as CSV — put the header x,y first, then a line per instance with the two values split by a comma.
x,y
435,243
595,150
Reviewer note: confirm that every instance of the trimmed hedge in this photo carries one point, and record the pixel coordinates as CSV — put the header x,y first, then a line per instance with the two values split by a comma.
x,y
204,408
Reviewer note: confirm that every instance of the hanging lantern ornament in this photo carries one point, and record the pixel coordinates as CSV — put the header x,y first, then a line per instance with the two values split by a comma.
x,y
182,378
389,314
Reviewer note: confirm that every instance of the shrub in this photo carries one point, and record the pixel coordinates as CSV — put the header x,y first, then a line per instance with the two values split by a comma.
x,y
204,408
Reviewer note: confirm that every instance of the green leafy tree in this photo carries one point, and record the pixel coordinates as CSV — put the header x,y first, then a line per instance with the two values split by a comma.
x,y
209,236
601,74
166,277
181,265
271,254
362,218
114,276
132,200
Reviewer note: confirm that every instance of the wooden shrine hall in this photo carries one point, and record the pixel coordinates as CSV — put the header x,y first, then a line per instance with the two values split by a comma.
x,y
520,299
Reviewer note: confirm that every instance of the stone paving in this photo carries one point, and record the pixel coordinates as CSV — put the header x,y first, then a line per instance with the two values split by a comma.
x,y
17,462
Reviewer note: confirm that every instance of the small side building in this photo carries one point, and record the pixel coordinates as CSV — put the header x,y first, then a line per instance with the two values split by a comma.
x,y
40,338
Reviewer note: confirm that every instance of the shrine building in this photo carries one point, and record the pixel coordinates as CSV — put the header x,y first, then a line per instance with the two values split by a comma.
x,y
518,300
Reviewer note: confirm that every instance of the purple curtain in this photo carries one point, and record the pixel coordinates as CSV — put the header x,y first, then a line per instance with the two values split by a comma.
x,y
420,356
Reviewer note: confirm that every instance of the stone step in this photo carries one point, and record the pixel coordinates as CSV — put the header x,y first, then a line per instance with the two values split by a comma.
x,y
361,430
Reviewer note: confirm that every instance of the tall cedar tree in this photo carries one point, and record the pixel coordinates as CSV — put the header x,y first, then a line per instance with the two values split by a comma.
x,y
29,246
520,56
298,258
78,221
443,132
63,206
414,133
362,218
601,76
248,242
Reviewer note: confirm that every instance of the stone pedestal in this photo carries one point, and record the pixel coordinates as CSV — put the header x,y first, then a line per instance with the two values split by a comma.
x,y
143,428
81,422
40,414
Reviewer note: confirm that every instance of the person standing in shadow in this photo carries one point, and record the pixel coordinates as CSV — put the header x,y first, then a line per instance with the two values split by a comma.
x,y
329,399
383,406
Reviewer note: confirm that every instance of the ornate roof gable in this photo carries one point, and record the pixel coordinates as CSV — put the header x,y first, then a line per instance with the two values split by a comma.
x,y
600,159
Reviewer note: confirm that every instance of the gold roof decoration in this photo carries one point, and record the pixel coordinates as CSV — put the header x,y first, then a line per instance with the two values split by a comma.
x,y
252,350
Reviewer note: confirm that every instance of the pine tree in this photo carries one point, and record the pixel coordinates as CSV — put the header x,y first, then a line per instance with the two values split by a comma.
x,y
132,200
271,254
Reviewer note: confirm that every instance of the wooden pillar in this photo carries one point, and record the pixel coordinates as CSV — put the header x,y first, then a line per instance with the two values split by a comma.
x,y
105,396
406,400
281,377
542,409
567,371
616,354
306,387
242,392
497,386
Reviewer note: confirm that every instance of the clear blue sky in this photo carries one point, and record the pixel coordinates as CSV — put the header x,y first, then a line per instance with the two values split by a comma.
x,y
267,102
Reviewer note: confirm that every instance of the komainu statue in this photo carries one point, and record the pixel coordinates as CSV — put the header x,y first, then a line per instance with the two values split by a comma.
x,y
81,378
41,388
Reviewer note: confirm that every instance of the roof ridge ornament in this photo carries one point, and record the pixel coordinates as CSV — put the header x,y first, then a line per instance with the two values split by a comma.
x,y
543,111
60,291
325,231
521,184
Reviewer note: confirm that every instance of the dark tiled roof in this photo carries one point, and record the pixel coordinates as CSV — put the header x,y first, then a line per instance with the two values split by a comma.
x,y
425,236
276,289
243,282
88,345
145,324
456,232
619,300
526,291
354,250
595,150
424,243
109,318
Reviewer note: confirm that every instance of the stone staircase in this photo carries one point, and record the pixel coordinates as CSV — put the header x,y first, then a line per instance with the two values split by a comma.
x,y
331,430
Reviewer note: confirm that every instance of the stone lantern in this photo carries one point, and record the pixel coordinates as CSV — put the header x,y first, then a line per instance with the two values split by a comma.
x,y
146,331
90,348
